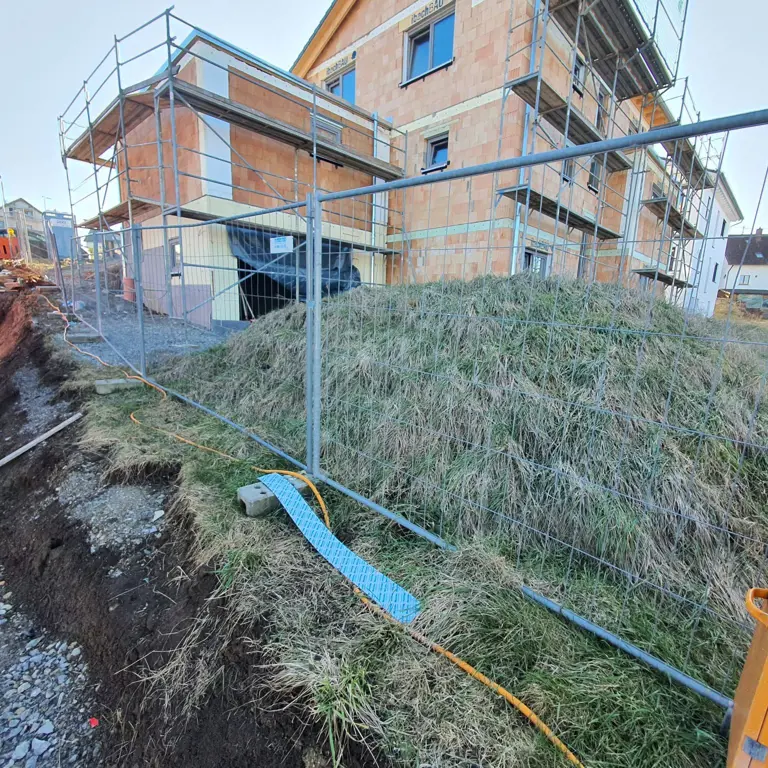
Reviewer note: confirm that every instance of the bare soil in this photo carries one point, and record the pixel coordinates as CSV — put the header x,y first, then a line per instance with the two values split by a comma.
x,y
133,620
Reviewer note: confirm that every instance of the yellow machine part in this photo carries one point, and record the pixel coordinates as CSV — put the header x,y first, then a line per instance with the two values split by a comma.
x,y
748,742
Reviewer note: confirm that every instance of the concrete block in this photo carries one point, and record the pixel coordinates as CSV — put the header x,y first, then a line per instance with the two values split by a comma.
x,y
83,337
108,386
46,288
259,500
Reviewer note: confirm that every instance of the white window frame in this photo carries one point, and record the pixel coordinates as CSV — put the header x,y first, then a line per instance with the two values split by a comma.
x,y
336,78
595,164
744,279
672,261
568,165
328,126
543,258
579,75
417,31
432,143
602,115
174,243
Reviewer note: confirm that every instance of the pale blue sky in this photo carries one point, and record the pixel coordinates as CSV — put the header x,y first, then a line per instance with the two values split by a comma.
x,y
47,49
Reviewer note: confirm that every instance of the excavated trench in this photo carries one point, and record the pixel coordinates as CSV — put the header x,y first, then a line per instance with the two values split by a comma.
x,y
130,617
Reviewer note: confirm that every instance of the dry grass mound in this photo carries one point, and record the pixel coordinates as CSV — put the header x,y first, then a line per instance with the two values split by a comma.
x,y
488,411
599,415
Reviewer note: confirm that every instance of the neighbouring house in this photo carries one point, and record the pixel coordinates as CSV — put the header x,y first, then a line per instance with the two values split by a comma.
x,y
32,216
391,88
746,270
27,224
710,253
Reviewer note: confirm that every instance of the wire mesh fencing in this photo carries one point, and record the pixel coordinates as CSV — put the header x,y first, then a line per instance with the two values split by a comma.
x,y
545,373
499,353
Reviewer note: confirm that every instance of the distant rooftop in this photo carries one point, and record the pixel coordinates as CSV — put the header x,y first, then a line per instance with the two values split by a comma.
x,y
753,249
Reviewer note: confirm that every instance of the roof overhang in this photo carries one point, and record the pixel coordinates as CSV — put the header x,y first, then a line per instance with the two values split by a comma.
x,y
662,277
656,113
725,191
321,36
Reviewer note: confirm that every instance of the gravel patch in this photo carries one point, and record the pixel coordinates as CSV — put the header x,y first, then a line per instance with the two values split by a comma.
x,y
46,702
164,337
36,401
118,516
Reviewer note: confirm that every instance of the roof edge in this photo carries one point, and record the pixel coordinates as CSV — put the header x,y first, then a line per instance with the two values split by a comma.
x,y
197,33
324,31
24,200
726,188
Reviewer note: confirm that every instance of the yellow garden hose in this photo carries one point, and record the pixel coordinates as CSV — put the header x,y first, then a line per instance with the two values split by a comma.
x,y
520,706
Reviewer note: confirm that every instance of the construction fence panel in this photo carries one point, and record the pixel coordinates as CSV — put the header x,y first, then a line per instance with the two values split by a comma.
x,y
538,353
202,284
541,368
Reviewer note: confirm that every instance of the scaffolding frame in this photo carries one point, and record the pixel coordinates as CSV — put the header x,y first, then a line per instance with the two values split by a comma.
x,y
97,129
575,94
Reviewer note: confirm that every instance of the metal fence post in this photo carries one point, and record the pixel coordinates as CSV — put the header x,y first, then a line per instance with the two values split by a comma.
x,y
137,258
317,294
175,159
308,387
107,249
97,279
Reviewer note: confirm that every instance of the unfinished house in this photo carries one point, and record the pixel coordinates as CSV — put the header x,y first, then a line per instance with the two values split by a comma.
x,y
470,82
217,133
385,90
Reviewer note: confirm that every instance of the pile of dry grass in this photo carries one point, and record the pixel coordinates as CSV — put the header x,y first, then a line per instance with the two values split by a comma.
x,y
597,414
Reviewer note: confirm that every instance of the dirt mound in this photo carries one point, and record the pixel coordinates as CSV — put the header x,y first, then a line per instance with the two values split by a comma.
x,y
595,411
15,324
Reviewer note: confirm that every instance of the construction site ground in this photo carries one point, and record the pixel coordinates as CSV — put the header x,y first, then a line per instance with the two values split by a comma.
x,y
174,630
97,589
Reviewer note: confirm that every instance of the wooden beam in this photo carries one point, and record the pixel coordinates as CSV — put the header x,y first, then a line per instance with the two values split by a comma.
x,y
24,448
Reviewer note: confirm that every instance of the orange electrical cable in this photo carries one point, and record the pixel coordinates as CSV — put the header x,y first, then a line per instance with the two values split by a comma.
x,y
520,706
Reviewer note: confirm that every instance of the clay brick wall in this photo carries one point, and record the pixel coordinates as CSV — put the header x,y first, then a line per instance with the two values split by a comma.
x,y
289,109
472,83
143,162
274,159
480,41
459,256
558,57
143,166
278,171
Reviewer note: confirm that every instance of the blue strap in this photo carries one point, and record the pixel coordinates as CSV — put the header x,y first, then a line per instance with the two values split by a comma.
x,y
400,604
